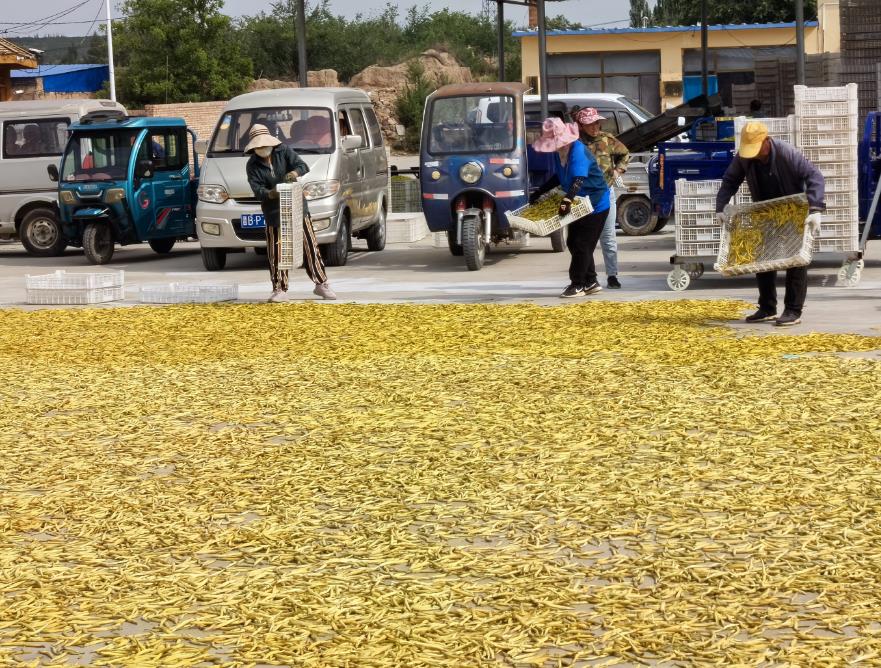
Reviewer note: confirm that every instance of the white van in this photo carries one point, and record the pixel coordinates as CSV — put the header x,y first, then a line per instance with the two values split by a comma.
x,y
33,137
336,132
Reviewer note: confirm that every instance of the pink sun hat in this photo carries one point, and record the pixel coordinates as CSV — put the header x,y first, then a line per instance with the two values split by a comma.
x,y
587,116
554,135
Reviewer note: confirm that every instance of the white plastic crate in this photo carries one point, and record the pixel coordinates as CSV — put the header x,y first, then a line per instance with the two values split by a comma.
x,y
693,234
439,240
842,200
811,139
697,249
63,280
685,188
840,215
743,196
185,293
825,93
846,245
290,232
837,230
73,296
696,219
832,169
581,206
841,184
831,154
688,203
405,230
827,124
826,109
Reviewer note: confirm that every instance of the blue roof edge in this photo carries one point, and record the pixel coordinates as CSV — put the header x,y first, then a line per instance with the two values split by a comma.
x,y
656,29
52,70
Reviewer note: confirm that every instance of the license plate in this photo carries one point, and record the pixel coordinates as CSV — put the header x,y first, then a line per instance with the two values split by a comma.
x,y
252,221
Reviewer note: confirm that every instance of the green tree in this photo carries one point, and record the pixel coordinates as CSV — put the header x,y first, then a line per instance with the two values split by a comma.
x,y
410,105
560,22
639,10
178,51
688,12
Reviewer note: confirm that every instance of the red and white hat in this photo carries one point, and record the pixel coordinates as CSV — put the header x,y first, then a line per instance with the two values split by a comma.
x,y
587,116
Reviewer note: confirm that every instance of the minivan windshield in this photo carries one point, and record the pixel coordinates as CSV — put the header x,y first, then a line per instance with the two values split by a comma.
x,y
98,156
305,129
472,124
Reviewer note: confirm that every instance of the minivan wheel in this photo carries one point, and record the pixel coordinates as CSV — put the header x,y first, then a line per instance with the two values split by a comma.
x,y
98,243
162,246
335,254
635,216
40,233
376,233
214,259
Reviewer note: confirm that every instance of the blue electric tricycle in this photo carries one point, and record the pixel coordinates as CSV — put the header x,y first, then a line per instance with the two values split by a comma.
x,y
124,181
475,166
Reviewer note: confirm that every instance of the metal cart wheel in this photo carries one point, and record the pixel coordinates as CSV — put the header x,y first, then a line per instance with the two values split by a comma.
x,y
678,279
850,273
694,269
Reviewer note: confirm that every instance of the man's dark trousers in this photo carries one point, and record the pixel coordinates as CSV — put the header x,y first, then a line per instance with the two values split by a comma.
x,y
796,290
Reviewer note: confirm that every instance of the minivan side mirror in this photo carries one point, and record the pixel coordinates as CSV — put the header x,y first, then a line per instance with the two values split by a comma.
x,y
352,142
53,173
201,146
144,169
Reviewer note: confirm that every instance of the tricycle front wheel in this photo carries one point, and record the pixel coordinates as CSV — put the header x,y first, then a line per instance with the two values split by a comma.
x,y
98,243
473,242
455,249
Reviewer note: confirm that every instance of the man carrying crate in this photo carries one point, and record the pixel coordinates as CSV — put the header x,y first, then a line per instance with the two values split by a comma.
x,y
772,168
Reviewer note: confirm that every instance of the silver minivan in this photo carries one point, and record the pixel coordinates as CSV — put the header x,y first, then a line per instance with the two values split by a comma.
x,y
33,137
336,132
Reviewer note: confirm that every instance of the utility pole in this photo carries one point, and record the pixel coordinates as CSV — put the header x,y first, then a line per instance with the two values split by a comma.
x,y
110,54
500,19
705,86
542,58
800,42
301,43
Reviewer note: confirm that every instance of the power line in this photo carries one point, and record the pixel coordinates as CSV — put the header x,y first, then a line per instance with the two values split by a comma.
x,y
47,20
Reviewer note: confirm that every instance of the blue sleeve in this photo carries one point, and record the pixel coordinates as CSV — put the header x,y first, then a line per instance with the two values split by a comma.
x,y
579,162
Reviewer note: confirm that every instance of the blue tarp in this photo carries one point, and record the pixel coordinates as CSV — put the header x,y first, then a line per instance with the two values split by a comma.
x,y
692,86
67,78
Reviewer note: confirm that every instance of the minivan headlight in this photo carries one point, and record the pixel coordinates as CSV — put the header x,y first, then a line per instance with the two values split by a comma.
x,y
471,172
319,189
213,194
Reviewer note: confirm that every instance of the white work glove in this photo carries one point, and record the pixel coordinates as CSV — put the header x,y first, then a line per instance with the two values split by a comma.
x,y
618,181
812,222
721,218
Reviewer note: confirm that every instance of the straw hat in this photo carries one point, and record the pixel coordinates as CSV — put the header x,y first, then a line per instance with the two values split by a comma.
x,y
554,135
258,136
751,139
587,116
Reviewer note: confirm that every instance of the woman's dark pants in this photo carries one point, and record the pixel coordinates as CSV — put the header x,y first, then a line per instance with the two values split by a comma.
x,y
582,238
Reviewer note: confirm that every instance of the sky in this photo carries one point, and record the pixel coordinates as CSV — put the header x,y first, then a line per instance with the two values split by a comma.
x,y
80,20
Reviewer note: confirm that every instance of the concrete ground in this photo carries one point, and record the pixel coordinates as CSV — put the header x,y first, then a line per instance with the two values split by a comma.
x,y
418,272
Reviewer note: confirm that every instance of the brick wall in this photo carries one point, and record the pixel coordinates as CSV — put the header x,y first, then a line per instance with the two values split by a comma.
x,y
201,117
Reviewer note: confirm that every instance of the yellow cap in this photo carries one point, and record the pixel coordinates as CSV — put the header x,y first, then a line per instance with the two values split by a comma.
x,y
752,136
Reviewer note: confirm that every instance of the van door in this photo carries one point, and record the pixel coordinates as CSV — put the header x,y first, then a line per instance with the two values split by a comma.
x,y
375,164
351,170
167,148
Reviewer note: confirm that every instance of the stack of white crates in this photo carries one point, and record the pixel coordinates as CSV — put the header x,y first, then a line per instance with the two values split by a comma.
x,y
697,232
290,199
778,128
826,132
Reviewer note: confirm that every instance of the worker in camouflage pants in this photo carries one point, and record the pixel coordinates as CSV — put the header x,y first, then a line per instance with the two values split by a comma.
x,y
612,157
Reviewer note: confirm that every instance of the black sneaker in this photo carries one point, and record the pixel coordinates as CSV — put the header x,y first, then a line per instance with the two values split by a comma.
x,y
592,288
788,319
613,282
573,291
761,316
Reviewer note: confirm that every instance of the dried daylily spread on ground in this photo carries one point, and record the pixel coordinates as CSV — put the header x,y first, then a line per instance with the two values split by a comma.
x,y
600,484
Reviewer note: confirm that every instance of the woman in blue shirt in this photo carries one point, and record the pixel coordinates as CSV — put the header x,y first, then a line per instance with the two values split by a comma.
x,y
579,175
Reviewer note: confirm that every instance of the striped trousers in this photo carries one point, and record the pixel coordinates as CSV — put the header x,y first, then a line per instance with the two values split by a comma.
x,y
312,261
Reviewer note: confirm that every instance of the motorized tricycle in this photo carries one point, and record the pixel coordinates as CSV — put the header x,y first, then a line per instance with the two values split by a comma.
x,y
474,166
126,180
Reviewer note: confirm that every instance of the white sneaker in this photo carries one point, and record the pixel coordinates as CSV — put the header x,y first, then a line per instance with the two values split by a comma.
x,y
277,296
323,290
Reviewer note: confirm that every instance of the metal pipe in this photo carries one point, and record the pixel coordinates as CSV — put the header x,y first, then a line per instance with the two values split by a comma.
x,y
800,42
705,86
500,18
110,54
301,43
542,58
